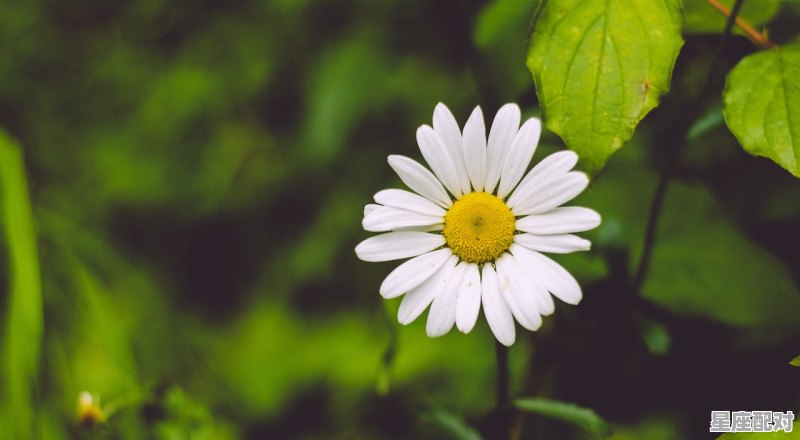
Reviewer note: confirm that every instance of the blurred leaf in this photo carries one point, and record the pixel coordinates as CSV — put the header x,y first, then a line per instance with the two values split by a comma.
x,y
313,254
708,121
452,424
102,360
343,89
701,17
600,67
245,351
51,427
659,427
501,33
187,419
795,361
656,337
435,367
584,417
24,320
702,265
762,105
384,381
499,17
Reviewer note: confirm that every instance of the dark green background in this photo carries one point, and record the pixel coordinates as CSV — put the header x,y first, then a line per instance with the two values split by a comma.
x,y
198,170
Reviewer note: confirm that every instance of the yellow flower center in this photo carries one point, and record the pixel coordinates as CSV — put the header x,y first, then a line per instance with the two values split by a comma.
x,y
479,227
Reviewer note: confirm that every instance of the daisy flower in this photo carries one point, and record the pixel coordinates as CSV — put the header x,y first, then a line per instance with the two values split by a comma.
x,y
474,228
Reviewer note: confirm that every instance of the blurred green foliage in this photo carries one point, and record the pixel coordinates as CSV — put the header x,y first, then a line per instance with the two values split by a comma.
x,y
186,181
23,330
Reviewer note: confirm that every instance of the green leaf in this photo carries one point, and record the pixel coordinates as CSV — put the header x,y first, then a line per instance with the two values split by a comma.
x,y
185,418
762,105
500,33
702,265
656,337
501,17
568,412
600,67
707,122
102,360
24,321
344,87
795,362
700,17
452,424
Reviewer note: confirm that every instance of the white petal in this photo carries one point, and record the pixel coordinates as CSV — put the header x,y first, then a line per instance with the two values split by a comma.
x,y
475,149
413,272
554,277
494,307
504,129
397,245
552,166
522,305
442,315
469,299
519,156
417,300
431,228
556,244
438,158
420,180
369,209
386,218
531,282
445,125
531,293
560,221
552,193
398,198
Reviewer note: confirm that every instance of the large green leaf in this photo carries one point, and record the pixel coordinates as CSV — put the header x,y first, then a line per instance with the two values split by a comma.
x,y
762,105
568,412
24,321
700,17
702,265
600,66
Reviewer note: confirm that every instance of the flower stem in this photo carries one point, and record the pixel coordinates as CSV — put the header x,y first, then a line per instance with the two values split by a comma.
x,y
699,105
501,354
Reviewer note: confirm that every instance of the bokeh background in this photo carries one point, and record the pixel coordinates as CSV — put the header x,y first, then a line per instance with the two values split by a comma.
x,y
197,172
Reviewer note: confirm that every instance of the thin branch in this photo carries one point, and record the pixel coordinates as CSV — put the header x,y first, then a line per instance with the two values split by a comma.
x,y
756,37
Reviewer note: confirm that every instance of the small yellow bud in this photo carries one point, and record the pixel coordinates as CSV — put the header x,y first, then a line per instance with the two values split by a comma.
x,y
89,412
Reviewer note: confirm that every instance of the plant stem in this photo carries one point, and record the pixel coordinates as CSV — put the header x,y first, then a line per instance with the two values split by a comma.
x,y
757,38
698,106
501,354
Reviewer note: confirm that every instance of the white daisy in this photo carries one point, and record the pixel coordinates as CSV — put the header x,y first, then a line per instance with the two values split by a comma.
x,y
474,229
